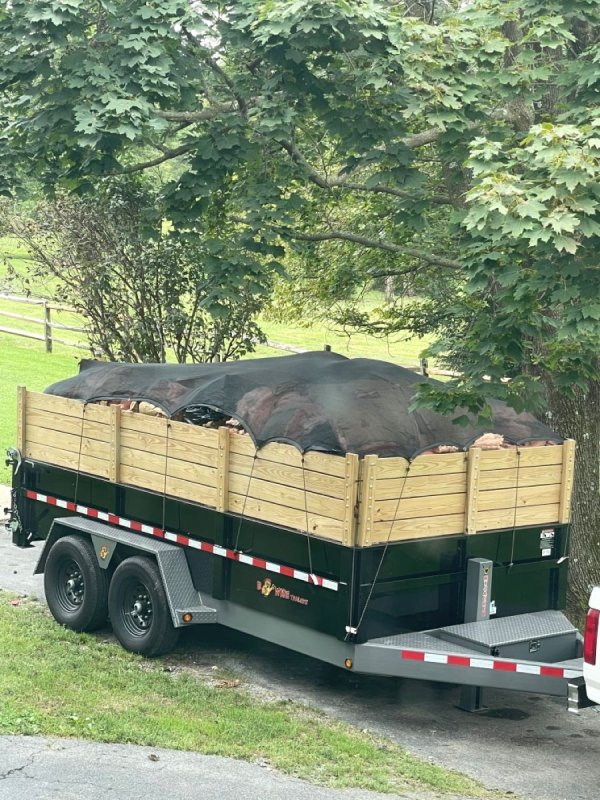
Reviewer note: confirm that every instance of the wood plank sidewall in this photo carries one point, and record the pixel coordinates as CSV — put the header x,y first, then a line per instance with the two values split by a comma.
x,y
354,501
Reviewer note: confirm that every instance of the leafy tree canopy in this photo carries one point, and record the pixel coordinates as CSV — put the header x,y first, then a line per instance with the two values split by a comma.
x,y
467,142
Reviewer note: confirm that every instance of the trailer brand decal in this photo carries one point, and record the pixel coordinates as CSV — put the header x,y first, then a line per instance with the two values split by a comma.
x,y
186,541
267,587
104,551
546,670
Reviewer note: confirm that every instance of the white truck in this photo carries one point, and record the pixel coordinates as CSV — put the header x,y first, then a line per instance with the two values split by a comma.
x,y
591,648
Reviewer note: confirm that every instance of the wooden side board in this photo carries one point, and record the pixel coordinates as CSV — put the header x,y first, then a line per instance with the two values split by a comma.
x,y
314,492
363,502
454,493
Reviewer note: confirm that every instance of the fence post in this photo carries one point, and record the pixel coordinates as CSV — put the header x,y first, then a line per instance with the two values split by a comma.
x,y
47,327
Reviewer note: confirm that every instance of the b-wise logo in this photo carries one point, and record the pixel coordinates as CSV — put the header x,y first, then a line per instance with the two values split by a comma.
x,y
268,588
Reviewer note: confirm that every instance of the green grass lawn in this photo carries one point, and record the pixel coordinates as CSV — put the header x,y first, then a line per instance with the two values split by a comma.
x,y
78,685
25,362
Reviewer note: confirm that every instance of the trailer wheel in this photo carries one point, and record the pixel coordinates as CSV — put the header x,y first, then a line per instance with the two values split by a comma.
x,y
76,587
138,608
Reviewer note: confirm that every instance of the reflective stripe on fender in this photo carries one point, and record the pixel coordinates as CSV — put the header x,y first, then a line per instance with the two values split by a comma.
x,y
186,541
547,670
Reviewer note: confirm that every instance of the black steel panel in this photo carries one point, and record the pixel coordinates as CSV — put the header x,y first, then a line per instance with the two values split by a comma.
x,y
522,588
292,600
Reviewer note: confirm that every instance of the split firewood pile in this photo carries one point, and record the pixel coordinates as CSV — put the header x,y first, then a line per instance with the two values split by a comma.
x,y
489,441
195,415
209,418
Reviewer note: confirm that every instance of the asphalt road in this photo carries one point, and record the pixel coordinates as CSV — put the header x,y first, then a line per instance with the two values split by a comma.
x,y
527,744
36,768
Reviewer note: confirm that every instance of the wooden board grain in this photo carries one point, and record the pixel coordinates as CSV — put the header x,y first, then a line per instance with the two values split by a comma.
x,y
524,457
388,489
367,476
68,407
175,487
286,475
21,418
472,493
115,443
66,458
150,462
323,527
351,499
182,432
430,464
528,476
69,442
222,476
420,528
433,506
286,496
289,456
69,424
507,518
566,481
157,445
525,496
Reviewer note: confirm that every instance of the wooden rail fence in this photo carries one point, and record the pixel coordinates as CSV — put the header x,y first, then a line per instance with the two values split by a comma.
x,y
49,326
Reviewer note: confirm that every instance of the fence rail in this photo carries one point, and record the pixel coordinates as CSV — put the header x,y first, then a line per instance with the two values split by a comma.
x,y
49,325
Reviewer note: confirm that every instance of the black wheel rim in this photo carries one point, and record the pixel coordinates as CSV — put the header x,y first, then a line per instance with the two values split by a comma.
x,y
136,611
70,586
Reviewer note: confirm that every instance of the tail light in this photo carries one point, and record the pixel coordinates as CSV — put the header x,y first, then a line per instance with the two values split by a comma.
x,y
590,642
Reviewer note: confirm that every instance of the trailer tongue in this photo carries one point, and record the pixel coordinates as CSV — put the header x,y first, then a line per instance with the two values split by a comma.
x,y
445,566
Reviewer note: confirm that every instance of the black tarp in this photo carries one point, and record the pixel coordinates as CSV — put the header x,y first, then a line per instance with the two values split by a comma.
x,y
315,401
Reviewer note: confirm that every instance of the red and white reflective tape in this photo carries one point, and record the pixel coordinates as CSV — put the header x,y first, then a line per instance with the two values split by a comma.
x,y
501,665
186,541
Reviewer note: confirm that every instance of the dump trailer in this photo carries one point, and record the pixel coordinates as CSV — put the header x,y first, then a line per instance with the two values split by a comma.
x,y
448,564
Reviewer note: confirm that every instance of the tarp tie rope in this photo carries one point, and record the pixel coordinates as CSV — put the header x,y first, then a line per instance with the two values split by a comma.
x,y
243,511
310,564
164,497
514,526
81,428
350,630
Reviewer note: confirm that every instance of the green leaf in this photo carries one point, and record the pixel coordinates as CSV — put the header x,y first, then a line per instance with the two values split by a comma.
x,y
565,243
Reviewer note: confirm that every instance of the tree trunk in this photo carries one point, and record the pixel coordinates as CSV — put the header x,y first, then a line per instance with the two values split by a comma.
x,y
578,418
390,290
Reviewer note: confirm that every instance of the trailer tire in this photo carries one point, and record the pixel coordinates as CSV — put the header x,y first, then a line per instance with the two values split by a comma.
x,y
76,587
138,608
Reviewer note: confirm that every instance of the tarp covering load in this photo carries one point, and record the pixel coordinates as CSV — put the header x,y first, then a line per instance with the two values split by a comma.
x,y
315,401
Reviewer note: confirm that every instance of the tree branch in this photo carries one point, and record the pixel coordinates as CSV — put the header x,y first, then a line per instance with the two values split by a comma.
x,y
381,244
425,137
338,182
218,70
205,114
154,162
